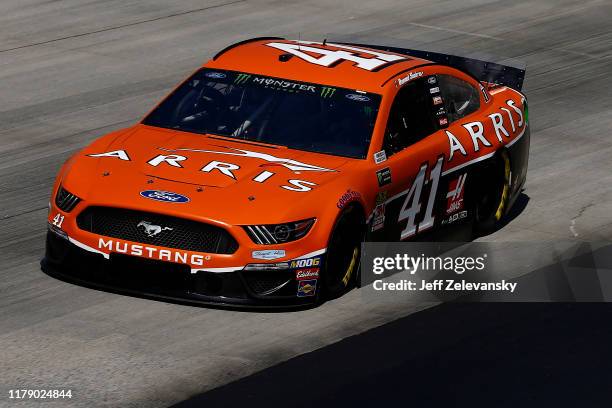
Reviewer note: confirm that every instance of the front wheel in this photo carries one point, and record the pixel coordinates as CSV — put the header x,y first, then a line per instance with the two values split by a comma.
x,y
343,253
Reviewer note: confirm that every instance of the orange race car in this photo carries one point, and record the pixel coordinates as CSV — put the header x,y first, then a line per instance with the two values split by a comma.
x,y
256,180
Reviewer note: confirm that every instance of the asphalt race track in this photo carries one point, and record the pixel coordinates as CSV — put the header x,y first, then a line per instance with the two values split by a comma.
x,y
72,70
455,355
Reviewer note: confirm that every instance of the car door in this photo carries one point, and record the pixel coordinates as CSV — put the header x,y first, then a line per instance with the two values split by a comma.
x,y
458,99
414,148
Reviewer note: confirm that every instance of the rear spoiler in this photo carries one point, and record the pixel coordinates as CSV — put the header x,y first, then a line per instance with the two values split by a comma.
x,y
483,71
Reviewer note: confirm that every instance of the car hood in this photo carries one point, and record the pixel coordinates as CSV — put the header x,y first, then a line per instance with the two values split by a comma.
x,y
226,180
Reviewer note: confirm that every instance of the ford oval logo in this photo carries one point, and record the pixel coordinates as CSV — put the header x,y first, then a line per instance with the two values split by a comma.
x,y
357,97
166,196
216,75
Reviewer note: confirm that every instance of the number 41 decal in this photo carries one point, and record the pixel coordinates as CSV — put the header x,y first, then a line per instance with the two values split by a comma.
x,y
412,204
58,220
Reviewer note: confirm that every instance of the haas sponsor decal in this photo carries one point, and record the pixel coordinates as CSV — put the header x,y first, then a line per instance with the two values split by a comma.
x,y
454,197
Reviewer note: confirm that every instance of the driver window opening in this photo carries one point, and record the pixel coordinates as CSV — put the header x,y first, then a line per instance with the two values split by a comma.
x,y
460,98
410,118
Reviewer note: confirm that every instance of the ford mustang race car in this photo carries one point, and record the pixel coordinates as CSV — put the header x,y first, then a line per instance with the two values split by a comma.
x,y
256,180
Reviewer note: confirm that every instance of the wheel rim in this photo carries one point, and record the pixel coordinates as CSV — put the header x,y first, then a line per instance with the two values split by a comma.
x,y
493,202
343,258
506,189
351,267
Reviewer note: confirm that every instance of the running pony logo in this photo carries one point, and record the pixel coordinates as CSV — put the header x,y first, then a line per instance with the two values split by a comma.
x,y
151,229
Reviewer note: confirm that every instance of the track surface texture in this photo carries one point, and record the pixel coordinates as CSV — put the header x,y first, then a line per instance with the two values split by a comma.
x,y
71,70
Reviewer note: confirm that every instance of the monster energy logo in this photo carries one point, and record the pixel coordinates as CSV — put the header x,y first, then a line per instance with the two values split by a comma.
x,y
327,92
241,78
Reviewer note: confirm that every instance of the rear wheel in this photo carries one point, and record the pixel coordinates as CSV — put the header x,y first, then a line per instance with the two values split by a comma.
x,y
343,253
491,204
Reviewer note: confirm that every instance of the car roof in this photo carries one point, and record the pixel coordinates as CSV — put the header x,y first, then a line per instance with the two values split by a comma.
x,y
263,56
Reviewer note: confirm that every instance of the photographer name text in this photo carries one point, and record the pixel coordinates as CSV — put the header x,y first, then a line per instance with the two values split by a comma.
x,y
446,285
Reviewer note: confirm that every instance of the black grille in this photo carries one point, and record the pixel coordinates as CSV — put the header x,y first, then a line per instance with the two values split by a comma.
x,y
163,230
65,200
271,282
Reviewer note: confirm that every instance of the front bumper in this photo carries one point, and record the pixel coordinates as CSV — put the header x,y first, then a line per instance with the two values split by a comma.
x,y
171,281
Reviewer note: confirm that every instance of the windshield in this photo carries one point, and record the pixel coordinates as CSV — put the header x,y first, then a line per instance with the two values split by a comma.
x,y
298,115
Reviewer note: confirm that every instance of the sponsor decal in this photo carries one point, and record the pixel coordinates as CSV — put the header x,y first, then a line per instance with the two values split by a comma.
x,y
348,197
454,196
305,263
300,186
215,75
380,157
117,154
241,78
283,84
357,97
434,90
443,121
327,92
151,229
381,197
432,80
268,254
145,251
319,54
384,176
378,220
166,196
500,132
291,164
437,100
409,77
227,169
307,288
455,217
307,274
441,111
485,94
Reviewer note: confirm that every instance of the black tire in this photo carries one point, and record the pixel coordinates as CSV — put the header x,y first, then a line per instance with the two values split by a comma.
x,y
491,203
343,254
